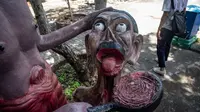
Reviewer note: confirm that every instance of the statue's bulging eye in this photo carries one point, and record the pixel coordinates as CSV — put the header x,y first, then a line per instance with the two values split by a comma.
x,y
122,27
99,26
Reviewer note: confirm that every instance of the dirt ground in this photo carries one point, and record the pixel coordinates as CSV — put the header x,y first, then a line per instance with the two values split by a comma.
x,y
181,84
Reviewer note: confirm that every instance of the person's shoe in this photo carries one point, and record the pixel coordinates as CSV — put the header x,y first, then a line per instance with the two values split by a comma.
x,y
160,71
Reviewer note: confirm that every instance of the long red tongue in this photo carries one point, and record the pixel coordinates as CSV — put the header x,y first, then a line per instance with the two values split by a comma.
x,y
108,64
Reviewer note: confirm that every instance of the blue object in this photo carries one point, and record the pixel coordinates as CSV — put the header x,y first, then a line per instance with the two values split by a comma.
x,y
193,20
193,8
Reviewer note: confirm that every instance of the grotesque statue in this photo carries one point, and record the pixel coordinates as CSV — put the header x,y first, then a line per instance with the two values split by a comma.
x,y
112,42
27,83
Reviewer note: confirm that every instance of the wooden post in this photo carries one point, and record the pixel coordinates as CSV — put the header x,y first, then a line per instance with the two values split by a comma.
x,y
70,10
100,4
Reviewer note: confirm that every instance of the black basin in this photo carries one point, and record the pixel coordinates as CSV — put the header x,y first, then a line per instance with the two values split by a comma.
x,y
112,107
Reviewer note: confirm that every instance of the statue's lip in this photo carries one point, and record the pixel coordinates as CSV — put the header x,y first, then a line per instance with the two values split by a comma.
x,y
104,52
111,45
111,61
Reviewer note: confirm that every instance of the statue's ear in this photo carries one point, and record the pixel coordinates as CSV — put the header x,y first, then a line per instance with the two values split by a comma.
x,y
136,48
87,45
88,50
90,57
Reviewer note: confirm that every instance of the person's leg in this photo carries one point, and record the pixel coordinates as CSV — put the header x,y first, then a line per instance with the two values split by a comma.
x,y
161,47
169,38
161,52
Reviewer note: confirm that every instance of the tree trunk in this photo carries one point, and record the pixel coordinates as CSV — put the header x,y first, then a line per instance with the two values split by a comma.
x,y
40,16
65,51
100,4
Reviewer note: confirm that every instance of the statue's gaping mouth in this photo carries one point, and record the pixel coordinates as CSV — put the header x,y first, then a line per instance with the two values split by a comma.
x,y
111,57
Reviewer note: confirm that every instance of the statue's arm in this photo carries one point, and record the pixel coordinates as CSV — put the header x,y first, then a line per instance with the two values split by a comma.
x,y
59,36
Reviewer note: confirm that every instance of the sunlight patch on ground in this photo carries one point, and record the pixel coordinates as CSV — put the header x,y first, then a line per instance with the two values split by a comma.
x,y
168,78
190,92
186,80
152,48
152,39
142,50
188,89
171,58
197,63
174,47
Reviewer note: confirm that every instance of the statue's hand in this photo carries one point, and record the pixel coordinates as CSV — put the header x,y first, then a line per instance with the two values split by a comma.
x,y
89,19
74,107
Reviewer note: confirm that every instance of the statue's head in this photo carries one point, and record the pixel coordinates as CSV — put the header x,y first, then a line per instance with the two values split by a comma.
x,y
18,32
113,41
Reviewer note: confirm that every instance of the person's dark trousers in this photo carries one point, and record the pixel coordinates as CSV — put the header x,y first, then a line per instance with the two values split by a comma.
x,y
163,46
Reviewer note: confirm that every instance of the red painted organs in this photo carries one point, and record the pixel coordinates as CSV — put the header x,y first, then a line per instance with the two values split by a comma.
x,y
44,94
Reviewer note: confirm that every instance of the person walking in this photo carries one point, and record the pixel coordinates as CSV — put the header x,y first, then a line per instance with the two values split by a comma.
x,y
165,33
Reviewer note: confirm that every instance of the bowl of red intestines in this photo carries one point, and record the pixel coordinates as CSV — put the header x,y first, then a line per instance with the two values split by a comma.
x,y
139,91
136,92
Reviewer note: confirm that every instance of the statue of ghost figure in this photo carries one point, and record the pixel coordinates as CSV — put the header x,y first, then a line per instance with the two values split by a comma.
x,y
112,42
27,83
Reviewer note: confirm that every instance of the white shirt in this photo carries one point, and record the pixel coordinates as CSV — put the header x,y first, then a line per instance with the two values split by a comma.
x,y
179,5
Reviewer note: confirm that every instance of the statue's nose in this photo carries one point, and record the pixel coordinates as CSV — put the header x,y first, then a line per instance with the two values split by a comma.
x,y
110,35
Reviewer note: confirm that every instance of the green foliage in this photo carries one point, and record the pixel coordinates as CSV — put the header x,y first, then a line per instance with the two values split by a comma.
x,y
69,90
66,76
